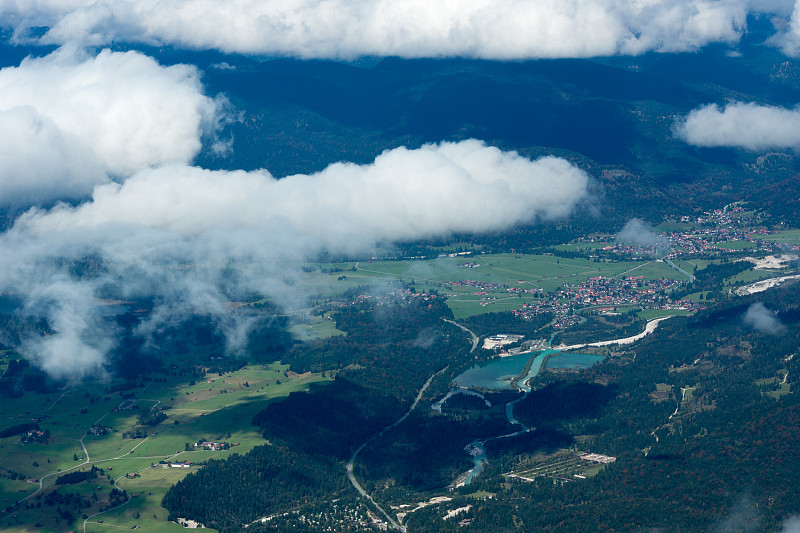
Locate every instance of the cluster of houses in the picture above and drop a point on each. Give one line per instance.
(36, 436)
(606, 294)
(214, 446)
(100, 430)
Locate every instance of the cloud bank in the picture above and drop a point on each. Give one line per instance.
(70, 120)
(492, 29)
(196, 239)
(762, 319)
(741, 125)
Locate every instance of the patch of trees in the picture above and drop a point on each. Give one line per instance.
(562, 401)
(20, 376)
(507, 322)
(544, 438)
(12, 474)
(603, 327)
(331, 420)
(392, 346)
(152, 417)
(269, 479)
(134, 434)
(18, 429)
(73, 478)
(425, 452)
(464, 402)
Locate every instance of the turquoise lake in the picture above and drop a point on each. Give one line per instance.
(569, 361)
(494, 374)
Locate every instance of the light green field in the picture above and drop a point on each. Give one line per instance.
(217, 408)
(791, 236)
(320, 327)
(545, 272)
(752, 275)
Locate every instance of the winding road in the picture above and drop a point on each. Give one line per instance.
(351, 476)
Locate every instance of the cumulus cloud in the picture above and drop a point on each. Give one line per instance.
(197, 239)
(70, 119)
(742, 125)
(497, 29)
(39, 161)
(763, 320)
(640, 233)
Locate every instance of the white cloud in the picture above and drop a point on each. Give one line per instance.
(497, 29)
(761, 319)
(404, 194)
(40, 162)
(71, 118)
(789, 36)
(742, 125)
(144, 229)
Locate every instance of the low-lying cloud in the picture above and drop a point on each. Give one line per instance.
(742, 125)
(640, 233)
(196, 239)
(71, 120)
(763, 320)
(494, 29)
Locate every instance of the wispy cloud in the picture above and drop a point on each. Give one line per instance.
(741, 125)
(498, 29)
(640, 233)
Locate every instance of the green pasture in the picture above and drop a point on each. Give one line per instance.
(790, 236)
(546, 272)
(319, 328)
(11, 491)
(689, 265)
(21, 457)
(753, 275)
(205, 412)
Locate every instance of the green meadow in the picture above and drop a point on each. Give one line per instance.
(217, 408)
(503, 271)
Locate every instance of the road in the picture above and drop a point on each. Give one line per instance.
(474, 337)
(351, 476)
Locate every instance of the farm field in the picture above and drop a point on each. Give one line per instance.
(490, 275)
(562, 466)
(790, 236)
(216, 408)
